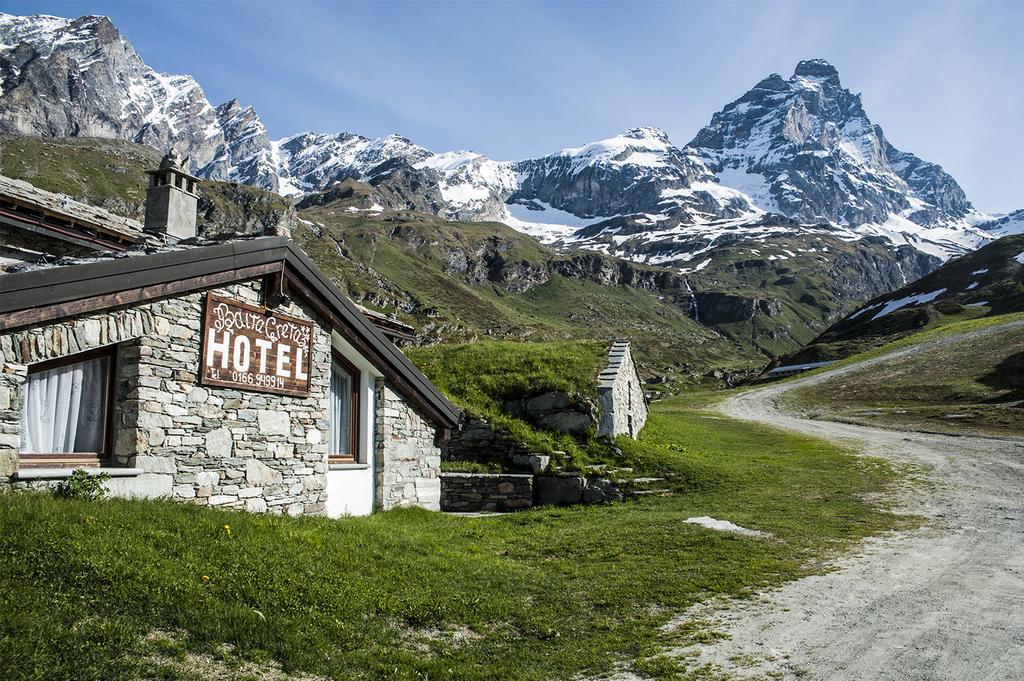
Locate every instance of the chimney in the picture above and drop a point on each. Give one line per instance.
(171, 200)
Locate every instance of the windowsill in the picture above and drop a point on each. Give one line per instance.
(348, 466)
(61, 473)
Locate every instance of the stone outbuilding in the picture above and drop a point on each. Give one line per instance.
(621, 394)
(228, 374)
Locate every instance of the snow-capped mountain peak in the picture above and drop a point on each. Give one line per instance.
(473, 186)
(817, 70)
(790, 151)
(636, 146)
(820, 156)
(46, 33)
(81, 77)
(311, 161)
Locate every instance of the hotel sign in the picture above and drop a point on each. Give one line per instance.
(250, 348)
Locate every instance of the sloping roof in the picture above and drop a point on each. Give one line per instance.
(29, 207)
(616, 355)
(44, 295)
(389, 326)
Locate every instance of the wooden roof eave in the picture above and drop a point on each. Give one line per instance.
(40, 296)
(368, 339)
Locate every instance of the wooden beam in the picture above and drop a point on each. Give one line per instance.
(39, 315)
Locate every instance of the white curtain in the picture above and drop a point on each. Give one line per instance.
(64, 409)
(341, 412)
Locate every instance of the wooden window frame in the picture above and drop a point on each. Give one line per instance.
(79, 459)
(354, 430)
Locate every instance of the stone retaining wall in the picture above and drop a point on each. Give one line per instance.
(476, 440)
(474, 492)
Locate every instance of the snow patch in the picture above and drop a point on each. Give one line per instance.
(918, 299)
(698, 268)
(724, 526)
(546, 223)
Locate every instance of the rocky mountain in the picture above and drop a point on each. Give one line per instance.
(799, 145)
(742, 304)
(984, 283)
(1006, 225)
(82, 78)
(793, 157)
(798, 154)
(802, 147)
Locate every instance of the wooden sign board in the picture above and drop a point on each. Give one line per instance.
(250, 348)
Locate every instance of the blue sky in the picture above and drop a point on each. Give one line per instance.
(519, 79)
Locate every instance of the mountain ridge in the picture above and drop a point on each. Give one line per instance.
(988, 282)
(799, 151)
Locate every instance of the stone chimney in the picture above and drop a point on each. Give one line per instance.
(172, 200)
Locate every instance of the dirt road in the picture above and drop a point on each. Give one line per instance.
(942, 602)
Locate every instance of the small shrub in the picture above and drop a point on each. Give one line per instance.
(82, 485)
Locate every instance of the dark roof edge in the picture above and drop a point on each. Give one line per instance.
(39, 288)
(23, 290)
(358, 320)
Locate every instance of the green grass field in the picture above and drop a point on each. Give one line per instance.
(126, 590)
(969, 385)
(481, 376)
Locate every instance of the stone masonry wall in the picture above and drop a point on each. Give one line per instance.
(621, 394)
(476, 440)
(210, 446)
(473, 492)
(408, 461)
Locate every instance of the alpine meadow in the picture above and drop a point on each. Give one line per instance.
(287, 394)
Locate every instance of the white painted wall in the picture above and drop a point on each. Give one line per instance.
(350, 488)
(349, 492)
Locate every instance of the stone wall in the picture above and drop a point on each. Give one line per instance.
(476, 440)
(621, 394)
(474, 492)
(209, 446)
(556, 410)
(408, 461)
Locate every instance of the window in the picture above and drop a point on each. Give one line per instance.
(66, 418)
(344, 436)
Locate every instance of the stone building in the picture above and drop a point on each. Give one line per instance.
(621, 394)
(229, 374)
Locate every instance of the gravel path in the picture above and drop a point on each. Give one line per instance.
(942, 602)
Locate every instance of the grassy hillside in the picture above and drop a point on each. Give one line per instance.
(968, 376)
(151, 590)
(481, 376)
(464, 281)
(988, 282)
(754, 298)
(112, 174)
(106, 173)
(798, 284)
